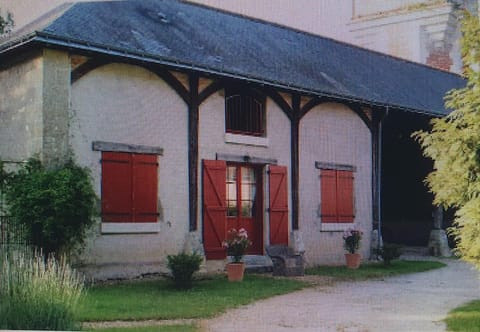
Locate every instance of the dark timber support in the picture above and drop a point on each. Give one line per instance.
(377, 121)
(87, 67)
(295, 137)
(193, 107)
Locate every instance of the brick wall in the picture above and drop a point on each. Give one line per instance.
(440, 59)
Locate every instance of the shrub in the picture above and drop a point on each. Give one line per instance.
(183, 266)
(37, 293)
(55, 206)
(389, 252)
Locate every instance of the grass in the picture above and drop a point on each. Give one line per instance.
(162, 328)
(157, 299)
(465, 318)
(374, 270)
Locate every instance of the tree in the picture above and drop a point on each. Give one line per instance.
(6, 23)
(454, 145)
(55, 206)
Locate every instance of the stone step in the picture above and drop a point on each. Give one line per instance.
(257, 263)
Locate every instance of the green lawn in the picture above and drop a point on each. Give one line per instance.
(165, 328)
(374, 270)
(465, 318)
(142, 300)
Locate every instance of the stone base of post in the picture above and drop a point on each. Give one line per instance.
(438, 243)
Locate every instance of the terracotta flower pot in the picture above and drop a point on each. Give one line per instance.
(353, 260)
(235, 271)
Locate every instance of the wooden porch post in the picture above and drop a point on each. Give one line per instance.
(295, 120)
(193, 109)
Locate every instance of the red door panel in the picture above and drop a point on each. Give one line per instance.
(214, 208)
(278, 205)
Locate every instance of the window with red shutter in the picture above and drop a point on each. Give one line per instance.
(336, 188)
(129, 187)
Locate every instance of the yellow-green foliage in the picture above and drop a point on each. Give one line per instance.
(37, 293)
(454, 145)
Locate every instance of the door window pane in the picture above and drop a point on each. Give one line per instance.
(232, 208)
(248, 191)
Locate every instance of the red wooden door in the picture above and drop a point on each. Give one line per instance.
(214, 208)
(278, 205)
(244, 203)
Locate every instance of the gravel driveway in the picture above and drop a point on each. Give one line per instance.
(415, 302)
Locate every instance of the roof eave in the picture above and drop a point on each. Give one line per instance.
(50, 39)
(14, 43)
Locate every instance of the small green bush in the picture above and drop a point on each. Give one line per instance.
(183, 266)
(56, 207)
(37, 293)
(389, 252)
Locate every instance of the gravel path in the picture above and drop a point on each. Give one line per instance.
(415, 302)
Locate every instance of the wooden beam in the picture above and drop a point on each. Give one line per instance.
(193, 123)
(173, 82)
(295, 160)
(87, 67)
(210, 90)
(353, 106)
(278, 99)
(377, 120)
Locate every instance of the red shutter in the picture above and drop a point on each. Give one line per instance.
(145, 193)
(214, 208)
(345, 196)
(278, 205)
(116, 187)
(328, 188)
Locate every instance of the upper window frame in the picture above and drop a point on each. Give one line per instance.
(245, 95)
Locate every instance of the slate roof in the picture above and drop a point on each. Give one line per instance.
(185, 35)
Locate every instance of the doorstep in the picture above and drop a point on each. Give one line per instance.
(258, 264)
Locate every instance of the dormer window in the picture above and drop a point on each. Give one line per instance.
(244, 112)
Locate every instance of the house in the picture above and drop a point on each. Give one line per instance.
(194, 121)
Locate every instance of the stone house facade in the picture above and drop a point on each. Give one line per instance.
(190, 130)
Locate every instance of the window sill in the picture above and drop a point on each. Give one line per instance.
(246, 140)
(130, 228)
(335, 227)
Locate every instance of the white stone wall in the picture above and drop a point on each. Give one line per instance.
(412, 33)
(128, 104)
(21, 102)
(332, 133)
(213, 140)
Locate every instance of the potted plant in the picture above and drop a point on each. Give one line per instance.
(351, 243)
(236, 243)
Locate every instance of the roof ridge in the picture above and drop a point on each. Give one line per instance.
(286, 27)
